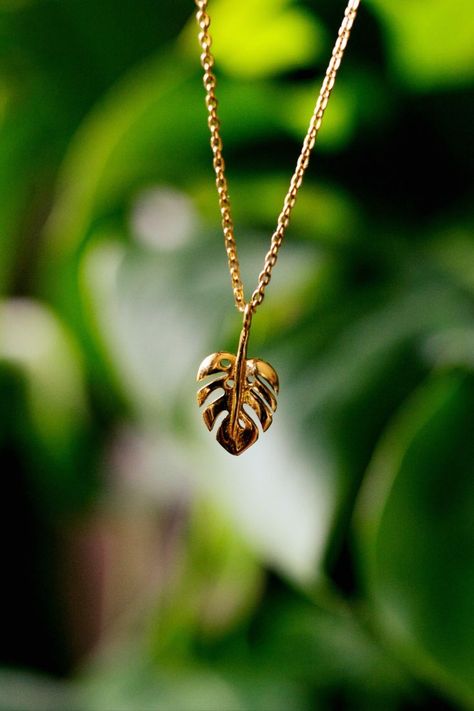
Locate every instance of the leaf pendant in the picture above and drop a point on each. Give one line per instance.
(247, 385)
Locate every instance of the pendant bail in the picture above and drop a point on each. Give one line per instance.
(247, 320)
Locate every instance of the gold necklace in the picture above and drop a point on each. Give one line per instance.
(251, 382)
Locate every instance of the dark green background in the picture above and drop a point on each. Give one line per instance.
(332, 566)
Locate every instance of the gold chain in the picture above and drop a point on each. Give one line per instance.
(209, 81)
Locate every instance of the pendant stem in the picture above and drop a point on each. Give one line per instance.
(239, 372)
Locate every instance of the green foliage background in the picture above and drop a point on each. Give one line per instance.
(332, 566)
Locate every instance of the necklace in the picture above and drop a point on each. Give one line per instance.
(251, 382)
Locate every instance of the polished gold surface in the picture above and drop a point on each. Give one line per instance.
(252, 383)
(209, 80)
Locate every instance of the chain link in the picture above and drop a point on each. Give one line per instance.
(209, 81)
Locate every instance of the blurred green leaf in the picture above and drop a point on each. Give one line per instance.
(340, 117)
(218, 584)
(35, 342)
(325, 214)
(416, 533)
(25, 175)
(133, 137)
(327, 643)
(55, 419)
(430, 43)
(259, 38)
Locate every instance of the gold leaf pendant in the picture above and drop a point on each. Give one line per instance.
(250, 382)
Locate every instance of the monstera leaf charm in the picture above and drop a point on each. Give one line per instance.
(247, 385)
